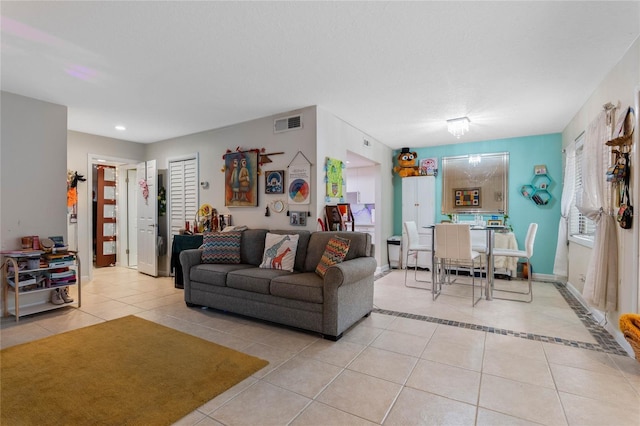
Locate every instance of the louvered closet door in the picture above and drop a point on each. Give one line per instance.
(183, 193)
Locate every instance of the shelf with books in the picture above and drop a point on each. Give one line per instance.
(538, 189)
(39, 277)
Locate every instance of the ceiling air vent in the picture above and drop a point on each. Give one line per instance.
(287, 123)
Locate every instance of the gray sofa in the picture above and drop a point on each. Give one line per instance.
(301, 298)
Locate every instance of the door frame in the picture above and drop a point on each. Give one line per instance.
(121, 200)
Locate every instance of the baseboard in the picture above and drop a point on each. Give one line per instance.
(544, 278)
(599, 317)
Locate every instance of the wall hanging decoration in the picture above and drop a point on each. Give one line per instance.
(334, 180)
(241, 178)
(72, 193)
(145, 189)
(467, 197)
(298, 218)
(299, 178)
(278, 206)
(162, 201)
(538, 189)
(274, 182)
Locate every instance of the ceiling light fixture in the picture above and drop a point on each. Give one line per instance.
(121, 128)
(458, 126)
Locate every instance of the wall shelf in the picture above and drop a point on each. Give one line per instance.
(538, 189)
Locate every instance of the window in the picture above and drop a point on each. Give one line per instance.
(579, 225)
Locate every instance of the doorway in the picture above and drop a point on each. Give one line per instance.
(364, 195)
(122, 249)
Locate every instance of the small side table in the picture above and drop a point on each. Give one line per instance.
(180, 243)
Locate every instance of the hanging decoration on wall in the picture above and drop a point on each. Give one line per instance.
(162, 201)
(145, 189)
(274, 182)
(241, 178)
(72, 193)
(299, 178)
(334, 180)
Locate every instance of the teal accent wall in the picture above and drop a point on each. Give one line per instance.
(524, 154)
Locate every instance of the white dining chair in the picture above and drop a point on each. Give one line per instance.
(413, 249)
(526, 254)
(453, 245)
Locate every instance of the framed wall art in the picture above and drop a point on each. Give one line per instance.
(299, 178)
(467, 197)
(429, 167)
(298, 218)
(334, 179)
(241, 179)
(274, 182)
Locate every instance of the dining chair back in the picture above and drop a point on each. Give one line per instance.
(413, 249)
(453, 245)
(527, 253)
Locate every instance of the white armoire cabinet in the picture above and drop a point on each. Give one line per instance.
(419, 206)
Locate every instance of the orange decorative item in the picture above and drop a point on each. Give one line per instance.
(630, 327)
(407, 164)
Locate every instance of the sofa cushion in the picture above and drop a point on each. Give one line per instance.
(252, 246)
(256, 280)
(335, 252)
(221, 247)
(306, 287)
(279, 251)
(214, 273)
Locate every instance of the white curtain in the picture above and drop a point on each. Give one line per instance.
(601, 283)
(560, 268)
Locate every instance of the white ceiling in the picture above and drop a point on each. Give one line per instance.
(395, 70)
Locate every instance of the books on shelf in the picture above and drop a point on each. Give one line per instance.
(59, 260)
(22, 253)
(24, 279)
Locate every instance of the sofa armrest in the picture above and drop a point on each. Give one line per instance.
(189, 258)
(350, 271)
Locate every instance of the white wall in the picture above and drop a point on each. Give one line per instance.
(80, 146)
(33, 172)
(211, 145)
(619, 85)
(335, 138)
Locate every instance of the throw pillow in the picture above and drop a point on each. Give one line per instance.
(334, 253)
(221, 247)
(279, 251)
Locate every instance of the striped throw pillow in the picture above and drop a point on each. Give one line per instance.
(221, 247)
(335, 252)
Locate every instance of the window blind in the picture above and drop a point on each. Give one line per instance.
(580, 225)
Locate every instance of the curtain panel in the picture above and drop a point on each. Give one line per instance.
(560, 265)
(601, 281)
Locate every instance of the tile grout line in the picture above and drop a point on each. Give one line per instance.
(605, 342)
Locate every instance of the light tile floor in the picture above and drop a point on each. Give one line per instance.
(413, 361)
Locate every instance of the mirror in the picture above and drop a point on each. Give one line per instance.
(475, 183)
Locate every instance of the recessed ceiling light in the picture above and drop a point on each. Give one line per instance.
(121, 128)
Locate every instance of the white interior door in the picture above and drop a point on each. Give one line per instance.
(132, 217)
(147, 210)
